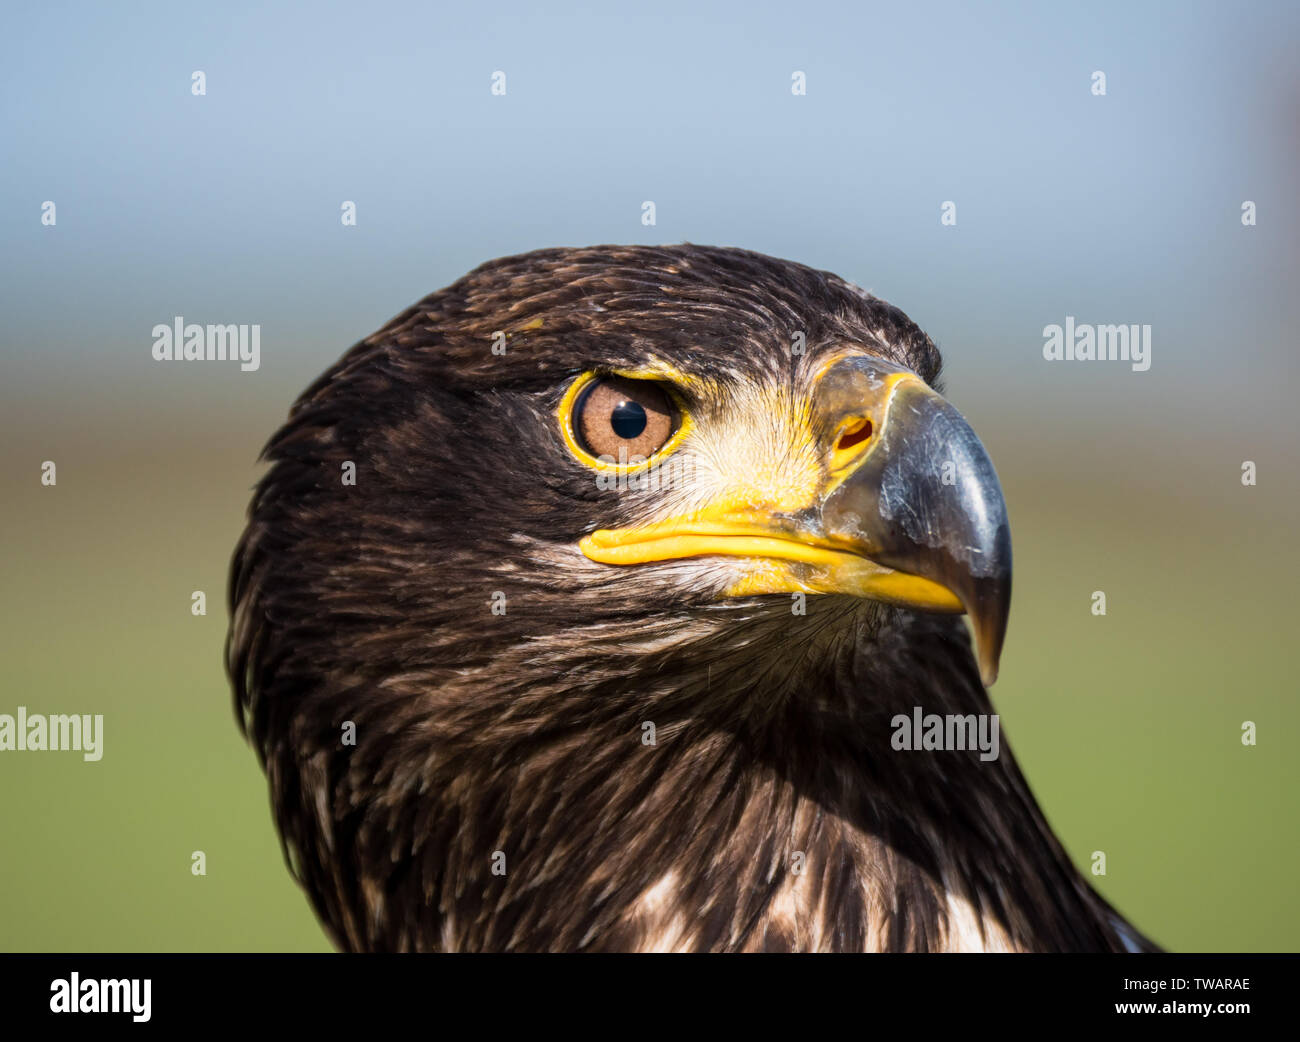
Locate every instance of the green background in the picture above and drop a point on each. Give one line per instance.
(1128, 726)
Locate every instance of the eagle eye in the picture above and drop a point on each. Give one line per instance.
(618, 417)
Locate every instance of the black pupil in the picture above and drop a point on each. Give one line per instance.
(628, 419)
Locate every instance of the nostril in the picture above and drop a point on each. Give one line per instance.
(854, 435)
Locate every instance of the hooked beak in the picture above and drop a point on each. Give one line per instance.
(925, 500)
(910, 511)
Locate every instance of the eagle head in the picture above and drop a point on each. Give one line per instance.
(577, 605)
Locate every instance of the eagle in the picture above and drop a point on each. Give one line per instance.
(582, 606)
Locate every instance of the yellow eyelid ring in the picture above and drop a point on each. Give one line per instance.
(564, 415)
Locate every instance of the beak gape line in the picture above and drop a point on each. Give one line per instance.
(910, 512)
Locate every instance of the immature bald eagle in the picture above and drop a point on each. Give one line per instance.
(605, 643)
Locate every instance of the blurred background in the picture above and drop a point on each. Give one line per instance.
(1123, 208)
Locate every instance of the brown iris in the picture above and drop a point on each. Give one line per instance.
(623, 418)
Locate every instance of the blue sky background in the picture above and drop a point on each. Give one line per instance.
(1120, 209)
